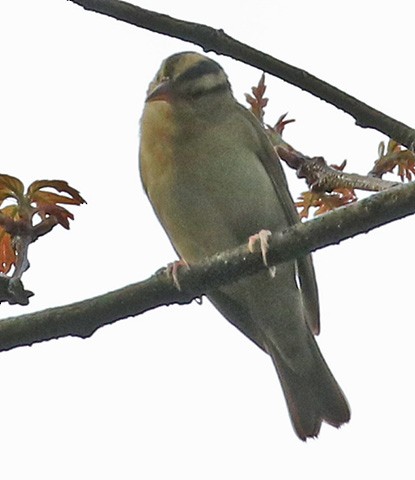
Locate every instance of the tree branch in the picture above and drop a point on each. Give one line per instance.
(221, 43)
(322, 177)
(83, 318)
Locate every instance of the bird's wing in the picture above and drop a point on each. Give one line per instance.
(272, 165)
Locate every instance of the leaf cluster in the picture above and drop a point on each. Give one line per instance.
(25, 215)
(330, 187)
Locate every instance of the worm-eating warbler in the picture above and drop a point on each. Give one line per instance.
(214, 180)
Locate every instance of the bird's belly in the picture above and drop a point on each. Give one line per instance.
(207, 205)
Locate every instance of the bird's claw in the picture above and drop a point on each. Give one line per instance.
(173, 268)
(263, 238)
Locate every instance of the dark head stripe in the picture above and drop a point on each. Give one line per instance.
(202, 68)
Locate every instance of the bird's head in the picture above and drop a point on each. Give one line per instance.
(187, 76)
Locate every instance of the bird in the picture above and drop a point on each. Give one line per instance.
(214, 180)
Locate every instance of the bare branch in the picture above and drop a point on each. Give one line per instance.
(221, 43)
(82, 319)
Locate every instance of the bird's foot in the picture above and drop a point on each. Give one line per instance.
(263, 238)
(173, 268)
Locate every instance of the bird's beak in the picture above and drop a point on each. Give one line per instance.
(161, 92)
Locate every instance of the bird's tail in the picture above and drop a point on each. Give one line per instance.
(313, 395)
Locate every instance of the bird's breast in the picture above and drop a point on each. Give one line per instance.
(157, 140)
(205, 182)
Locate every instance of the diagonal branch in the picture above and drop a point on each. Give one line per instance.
(83, 318)
(221, 43)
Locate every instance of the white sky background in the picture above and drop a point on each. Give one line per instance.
(178, 392)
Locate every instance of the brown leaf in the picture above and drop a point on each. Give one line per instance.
(10, 187)
(44, 197)
(395, 156)
(306, 201)
(7, 252)
(340, 167)
(257, 101)
(323, 201)
(61, 215)
(60, 186)
(47, 203)
(281, 123)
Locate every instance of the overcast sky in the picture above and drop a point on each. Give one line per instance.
(178, 392)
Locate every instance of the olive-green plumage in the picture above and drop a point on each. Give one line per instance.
(214, 180)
